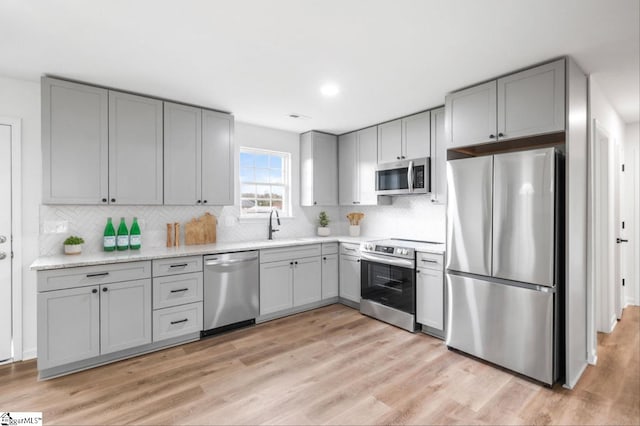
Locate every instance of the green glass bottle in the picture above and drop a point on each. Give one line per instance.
(135, 239)
(122, 241)
(109, 240)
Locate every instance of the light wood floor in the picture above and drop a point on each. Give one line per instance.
(333, 366)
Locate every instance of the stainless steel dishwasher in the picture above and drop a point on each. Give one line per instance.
(231, 291)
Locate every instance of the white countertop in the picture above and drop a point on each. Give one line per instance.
(100, 258)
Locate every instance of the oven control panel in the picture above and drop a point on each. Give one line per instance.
(407, 253)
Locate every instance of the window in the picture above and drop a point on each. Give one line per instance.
(265, 182)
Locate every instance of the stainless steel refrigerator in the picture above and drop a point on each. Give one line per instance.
(504, 259)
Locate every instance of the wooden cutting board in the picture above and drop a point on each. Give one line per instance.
(201, 230)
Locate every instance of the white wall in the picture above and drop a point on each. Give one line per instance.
(630, 210)
(21, 99)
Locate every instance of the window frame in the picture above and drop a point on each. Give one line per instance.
(287, 202)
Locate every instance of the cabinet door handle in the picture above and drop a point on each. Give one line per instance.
(178, 265)
(429, 261)
(113, 200)
(492, 136)
(295, 263)
(397, 158)
(180, 290)
(104, 200)
(94, 291)
(349, 249)
(105, 289)
(358, 260)
(205, 201)
(324, 258)
(198, 202)
(97, 274)
(179, 321)
(500, 135)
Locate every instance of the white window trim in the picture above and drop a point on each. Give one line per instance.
(287, 201)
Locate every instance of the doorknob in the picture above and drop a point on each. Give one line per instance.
(3, 239)
(2, 255)
(620, 240)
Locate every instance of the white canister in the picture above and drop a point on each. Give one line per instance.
(354, 230)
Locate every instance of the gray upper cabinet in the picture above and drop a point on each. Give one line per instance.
(182, 147)
(471, 115)
(405, 138)
(74, 143)
(135, 149)
(532, 101)
(198, 156)
(357, 159)
(527, 103)
(438, 157)
(318, 169)
(217, 158)
(347, 169)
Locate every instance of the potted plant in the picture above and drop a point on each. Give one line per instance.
(73, 245)
(323, 220)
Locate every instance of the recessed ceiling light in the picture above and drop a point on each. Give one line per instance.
(329, 90)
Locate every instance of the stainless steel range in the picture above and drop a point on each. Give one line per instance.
(388, 280)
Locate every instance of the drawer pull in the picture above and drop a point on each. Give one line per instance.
(349, 249)
(179, 265)
(98, 274)
(429, 261)
(180, 290)
(179, 321)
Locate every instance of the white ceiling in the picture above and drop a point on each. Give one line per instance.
(264, 59)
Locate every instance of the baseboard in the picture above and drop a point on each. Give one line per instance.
(592, 359)
(630, 302)
(612, 323)
(29, 354)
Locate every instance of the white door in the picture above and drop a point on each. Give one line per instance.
(5, 242)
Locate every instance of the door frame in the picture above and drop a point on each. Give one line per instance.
(16, 233)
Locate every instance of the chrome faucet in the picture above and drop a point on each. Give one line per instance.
(271, 230)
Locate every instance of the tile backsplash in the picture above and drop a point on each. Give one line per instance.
(412, 217)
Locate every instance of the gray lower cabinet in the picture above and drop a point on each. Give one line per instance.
(350, 272)
(68, 326)
(135, 149)
(198, 156)
(330, 271)
(90, 311)
(430, 299)
(75, 143)
(125, 315)
(290, 278)
(438, 157)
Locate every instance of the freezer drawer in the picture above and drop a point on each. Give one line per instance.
(506, 325)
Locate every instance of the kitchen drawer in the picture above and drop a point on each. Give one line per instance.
(177, 265)
(430, 261)
(288, 253)
(329, 248)
(177, 321)
(175, 290)
(350, 249)
(83, 276)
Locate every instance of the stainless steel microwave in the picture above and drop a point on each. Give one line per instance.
(403, 177)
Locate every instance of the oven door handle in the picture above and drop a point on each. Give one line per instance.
(403, 263)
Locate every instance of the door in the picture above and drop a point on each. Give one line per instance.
(347, 169)
(68, 326)
(217, 158)
(125, 315)
(531, 102)
(438, 158)
(75, 163)
(430, 298)
(469, 232)
(390, 141)
(387, 284)
(471, 115)
(307, 281)
(276, 286)
(416, 136)
(367, 163)
(350, 278)
(135, 149)
(330, 277)
(182, 154)
(523, 216)
(325, 170)
(5, 244)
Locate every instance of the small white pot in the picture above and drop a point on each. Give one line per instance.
(72, 248)
(354, 230)
(324, 231)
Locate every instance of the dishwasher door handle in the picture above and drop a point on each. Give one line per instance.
(230, 262)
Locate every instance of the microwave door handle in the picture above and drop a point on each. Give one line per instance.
(410, 176)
